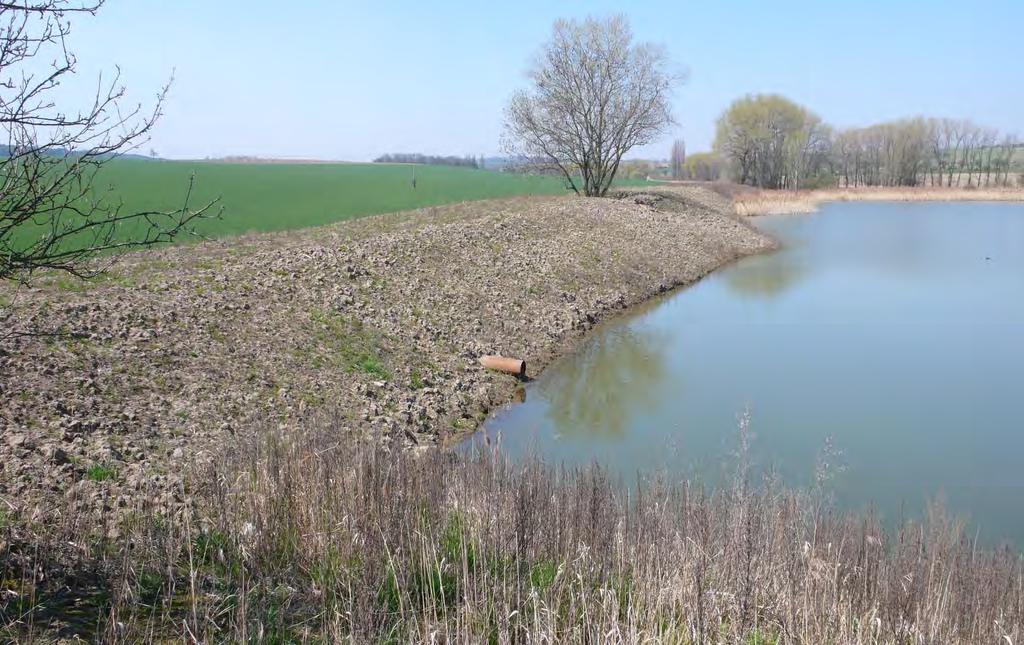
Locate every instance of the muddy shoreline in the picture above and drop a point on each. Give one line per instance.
(178, 354)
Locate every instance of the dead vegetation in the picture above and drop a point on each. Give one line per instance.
(750, 202)
(306, 537)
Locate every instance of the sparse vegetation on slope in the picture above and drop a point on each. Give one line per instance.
(381, 320)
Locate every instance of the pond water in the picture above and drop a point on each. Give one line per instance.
(892, 332)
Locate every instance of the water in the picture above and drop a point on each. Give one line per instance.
(894, 330)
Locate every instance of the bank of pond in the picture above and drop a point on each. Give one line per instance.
(878, 353)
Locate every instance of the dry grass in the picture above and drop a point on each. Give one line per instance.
(779, 202)
(305, 539)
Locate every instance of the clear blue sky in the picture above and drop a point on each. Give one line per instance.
(348, 80)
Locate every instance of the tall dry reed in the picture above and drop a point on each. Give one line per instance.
(781, 202)
(308, 537)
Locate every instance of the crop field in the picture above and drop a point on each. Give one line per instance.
(259, 197)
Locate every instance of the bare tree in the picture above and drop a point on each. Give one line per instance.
(1006, 148)
(53, 213)
(595, 94)
(678, 159)
(938, 140)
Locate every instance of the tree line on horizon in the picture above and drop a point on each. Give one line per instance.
(467, 161)
(699, 166)
(768, 141)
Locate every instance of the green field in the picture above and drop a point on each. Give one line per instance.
(273, 197)
(280, 196)
(260, 197)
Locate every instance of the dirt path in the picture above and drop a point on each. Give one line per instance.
(379, 321)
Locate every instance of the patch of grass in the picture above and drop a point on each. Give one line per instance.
(209, 264)
(64, 282)
(456, 543)
(73, 284)
(276, 630)
(389, 595)
(78, 344)
(330, 568)
(372, 366)
(210, 546)
(216, 334)
(760, 637)
(543, 574)
(341, 342)
(150, 587)
(312, 399)
(439, 586)
(100, 473)
(415, 380)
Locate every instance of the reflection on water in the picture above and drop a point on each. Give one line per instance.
(597, 390)
(896, 330)
(766, 279)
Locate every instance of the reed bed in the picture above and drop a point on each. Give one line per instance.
(780, 202)
(304, 537)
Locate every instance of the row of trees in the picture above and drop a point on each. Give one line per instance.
(771, 142)
(638, 169)
(431, 160)
(936, 152)
(701, 166)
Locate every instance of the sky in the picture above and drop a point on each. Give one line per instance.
(352, 80)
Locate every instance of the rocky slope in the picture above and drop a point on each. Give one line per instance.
(379, 321)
